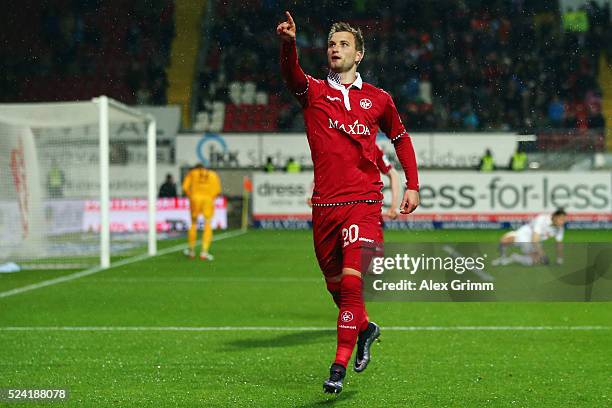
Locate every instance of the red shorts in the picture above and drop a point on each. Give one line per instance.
(345, 234)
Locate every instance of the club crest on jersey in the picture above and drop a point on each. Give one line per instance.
(355, 128)
(346, 316)
(365, 103)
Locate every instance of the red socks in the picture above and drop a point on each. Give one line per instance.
(334, 289)
(352, 317)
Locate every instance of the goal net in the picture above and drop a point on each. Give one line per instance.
(77, 183)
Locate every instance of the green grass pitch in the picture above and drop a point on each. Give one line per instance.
(154, 352)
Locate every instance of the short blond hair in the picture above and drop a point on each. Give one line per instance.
(341, 26)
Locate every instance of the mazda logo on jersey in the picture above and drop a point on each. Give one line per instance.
(355, 128)
(365, 103)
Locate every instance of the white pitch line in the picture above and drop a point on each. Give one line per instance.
(220, 279)
(97, 269)
(294, 329)
(52, 266)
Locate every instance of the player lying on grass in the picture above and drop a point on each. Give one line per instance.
(529, 237)
(342, 115)
(202, 186)
(385, 167)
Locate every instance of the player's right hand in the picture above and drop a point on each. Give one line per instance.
(286, 29)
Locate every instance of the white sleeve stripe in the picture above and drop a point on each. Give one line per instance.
(306, 90)
(393, 139)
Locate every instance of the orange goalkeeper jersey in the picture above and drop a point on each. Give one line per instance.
(202, 182)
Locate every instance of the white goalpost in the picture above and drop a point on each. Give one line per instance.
(64, 167)
(106, 106)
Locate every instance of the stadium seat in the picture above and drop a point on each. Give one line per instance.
(248, 92)
(261, 98)
(235, 92)
(218, 106)
(248, 98)
(202, 122)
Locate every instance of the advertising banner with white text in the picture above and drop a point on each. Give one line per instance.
(458, 199)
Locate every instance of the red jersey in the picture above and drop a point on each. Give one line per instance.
(382, 161)
(341, 126)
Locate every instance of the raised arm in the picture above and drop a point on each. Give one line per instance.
(292, 73)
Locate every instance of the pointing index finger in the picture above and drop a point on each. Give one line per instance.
(289, 18)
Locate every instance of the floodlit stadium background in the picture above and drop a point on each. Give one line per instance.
(466, 77)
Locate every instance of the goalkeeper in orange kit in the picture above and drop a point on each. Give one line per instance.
(202, 186)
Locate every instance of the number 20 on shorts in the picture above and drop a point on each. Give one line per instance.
(350, 234)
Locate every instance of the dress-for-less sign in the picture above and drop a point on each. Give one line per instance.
(460, 198)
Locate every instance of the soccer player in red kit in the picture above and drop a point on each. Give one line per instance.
(342, 115)
(385, 167)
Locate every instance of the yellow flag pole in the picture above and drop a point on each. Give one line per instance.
(245, 202)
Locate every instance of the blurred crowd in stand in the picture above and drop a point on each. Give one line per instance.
(465, 65)
(77, 49)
